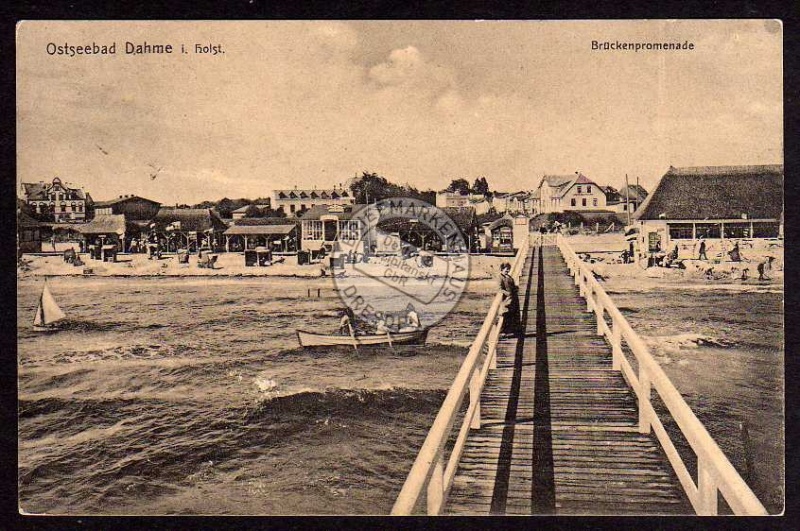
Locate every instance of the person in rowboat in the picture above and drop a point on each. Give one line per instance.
(412, 320)
(347, 324)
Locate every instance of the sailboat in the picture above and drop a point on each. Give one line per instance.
(48, 313)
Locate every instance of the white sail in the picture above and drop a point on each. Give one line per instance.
(48, 311)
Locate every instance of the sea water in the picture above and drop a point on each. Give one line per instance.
(191, 396)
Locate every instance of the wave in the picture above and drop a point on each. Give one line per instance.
(679, 342)
(357, 402)
(97, 455)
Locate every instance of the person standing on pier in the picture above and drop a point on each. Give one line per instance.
(510, 304)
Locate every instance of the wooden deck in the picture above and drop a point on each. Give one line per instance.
(558, 427)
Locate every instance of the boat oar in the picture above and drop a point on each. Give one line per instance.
(390, 340)
(353, 335)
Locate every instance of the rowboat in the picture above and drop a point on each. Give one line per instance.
(48, 314)
(310, 339)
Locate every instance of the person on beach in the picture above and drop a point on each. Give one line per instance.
(734, 253)
(510, 304)
(701, 254)
(745, 272)
(764, 265)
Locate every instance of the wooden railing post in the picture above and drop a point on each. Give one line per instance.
(436, 487)
(706, 490)
(492, 341)
(644, 399)
(475, 397)
(599, 311)
(616, 344)
(589, 295)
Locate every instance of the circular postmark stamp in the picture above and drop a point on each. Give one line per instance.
(404, 265)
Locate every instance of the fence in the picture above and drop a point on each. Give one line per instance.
(433, 471)
(715, 474)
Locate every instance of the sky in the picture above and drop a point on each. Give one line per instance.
(315, 103)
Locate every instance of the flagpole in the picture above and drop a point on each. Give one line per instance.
(627, 199)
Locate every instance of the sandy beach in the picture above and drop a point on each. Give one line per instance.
(230, 264)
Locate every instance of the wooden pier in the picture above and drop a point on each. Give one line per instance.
(559, 427)
(559, 422)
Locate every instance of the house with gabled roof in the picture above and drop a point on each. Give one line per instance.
(58, 200)
(716, 203)
(561, 193)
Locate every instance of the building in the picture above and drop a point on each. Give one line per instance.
(629, 198)
(57, 201)
(29, 236)
(133, 207)
(107, 232)
(515, 203)
(326, 226)
(250, 211)
(505, 233)
(187, 228)
(446, 199)
(279, 235)
(562, 193)
(294, 201)
(716, 203)
(422, 236)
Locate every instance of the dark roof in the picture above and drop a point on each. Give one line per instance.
(506, 221)
(261, 229)
(463, 217)
(317, 211)
(104, 224)
(37, 191)
(716, 192)
(258, 222)
(191, 219)
(123, 199)
(635, 191)
(24, 220)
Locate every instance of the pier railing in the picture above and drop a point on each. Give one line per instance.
(715, 473)
(434, 469)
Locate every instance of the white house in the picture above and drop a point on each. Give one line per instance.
(561, 193)
(295, 200)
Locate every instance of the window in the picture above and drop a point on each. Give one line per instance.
(302, 207)
(572, 202)
(594, 202)
(349, 230)
(291, 208)
(765, 230)
(588, 189)
(312, 229)
(579, 189)
(680, 231)
(737, 230)
(708, 230)
(583, 202)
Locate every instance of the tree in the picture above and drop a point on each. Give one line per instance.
(481, 186)
(459, 185)
(370, 187)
